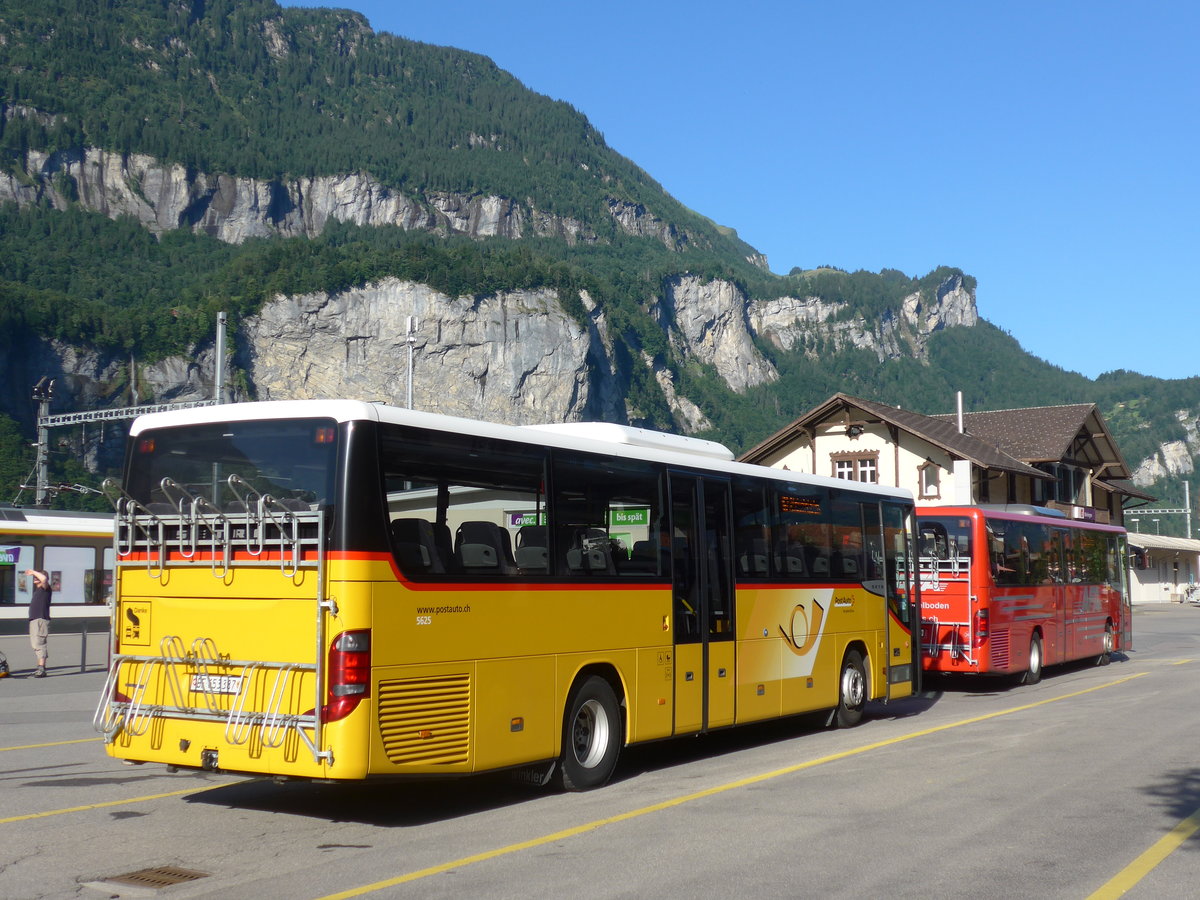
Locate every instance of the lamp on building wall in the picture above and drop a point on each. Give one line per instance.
(854, 430)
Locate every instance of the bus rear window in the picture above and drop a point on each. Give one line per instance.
(292, 461)
(944, 538)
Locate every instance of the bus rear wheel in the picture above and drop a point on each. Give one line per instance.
(1110, 642)
(852, 691)
(1034, 673)
(591, 736)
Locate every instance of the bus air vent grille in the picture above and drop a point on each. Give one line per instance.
(1000, 649)
(426, 721)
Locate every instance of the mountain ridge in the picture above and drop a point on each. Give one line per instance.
(255, 159)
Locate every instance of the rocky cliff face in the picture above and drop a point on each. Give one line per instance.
(508, 358)
(164, 196)
(515, 357)
(803, 323)
(1174, 459)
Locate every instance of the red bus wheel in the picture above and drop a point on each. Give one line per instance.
(1110, 642)
(1034, 673)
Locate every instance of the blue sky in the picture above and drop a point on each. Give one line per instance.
(1047, 148)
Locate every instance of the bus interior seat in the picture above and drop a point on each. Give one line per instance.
(533, 551)
(790, 560)
(583, 559)
(753, 558)
(591, 553)
(483, 547)
(819, 565)
(533, 536)
(416, 546)
(532, 560)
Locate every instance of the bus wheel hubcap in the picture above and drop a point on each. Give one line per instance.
(590, 734)
(852, 686)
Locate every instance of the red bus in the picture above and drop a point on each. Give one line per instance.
(1008, 590)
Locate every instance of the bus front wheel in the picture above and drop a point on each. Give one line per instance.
(852, 691)
(1034, 673)
(1110, 642)
(591, 736)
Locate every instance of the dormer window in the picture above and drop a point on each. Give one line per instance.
(929, 477)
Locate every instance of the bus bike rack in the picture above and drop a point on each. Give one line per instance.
(935, 570)
(176, 533)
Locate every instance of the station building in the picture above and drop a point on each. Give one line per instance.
(1062, 457)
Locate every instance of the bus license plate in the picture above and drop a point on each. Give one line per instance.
(217, 684)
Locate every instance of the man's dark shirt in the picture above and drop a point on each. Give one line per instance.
(39, 603)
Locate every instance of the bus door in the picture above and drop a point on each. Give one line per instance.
(703, 596)
(889, 547)
(1061, 626)
(1119, 557)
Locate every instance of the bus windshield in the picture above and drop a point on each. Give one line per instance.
(944, 538)
(292, 461)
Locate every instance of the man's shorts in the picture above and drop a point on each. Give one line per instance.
(39, 630)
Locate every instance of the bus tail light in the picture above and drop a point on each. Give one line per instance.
(981, 628)
(349, 674)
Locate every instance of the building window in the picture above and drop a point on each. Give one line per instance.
(1068, 486)
(929, 476)
(866, 471)
(856, 467)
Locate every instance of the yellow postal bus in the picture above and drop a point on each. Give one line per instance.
(341, 590)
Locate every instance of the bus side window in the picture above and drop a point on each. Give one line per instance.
(752, 529)
(455, 501)
(605, 514)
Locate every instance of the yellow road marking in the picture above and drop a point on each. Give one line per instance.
(698, 795)
(126, 802)
(51, 744)
(1140, 867)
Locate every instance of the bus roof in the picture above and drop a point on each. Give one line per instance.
(1017, 513)
(613, 440)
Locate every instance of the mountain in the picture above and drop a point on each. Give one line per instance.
(162, 161)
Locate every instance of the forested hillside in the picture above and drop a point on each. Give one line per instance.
(242, 99)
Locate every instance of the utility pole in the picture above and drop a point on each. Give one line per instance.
(43, 393)
(219, 361)
(412, 340)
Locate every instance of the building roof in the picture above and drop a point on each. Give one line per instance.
(937, 430)
(1163, 542)
(1128, 488)
(1044, 434)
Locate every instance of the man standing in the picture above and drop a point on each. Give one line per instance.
(39, 618)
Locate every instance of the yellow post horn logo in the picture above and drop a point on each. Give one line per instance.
(803, 632)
